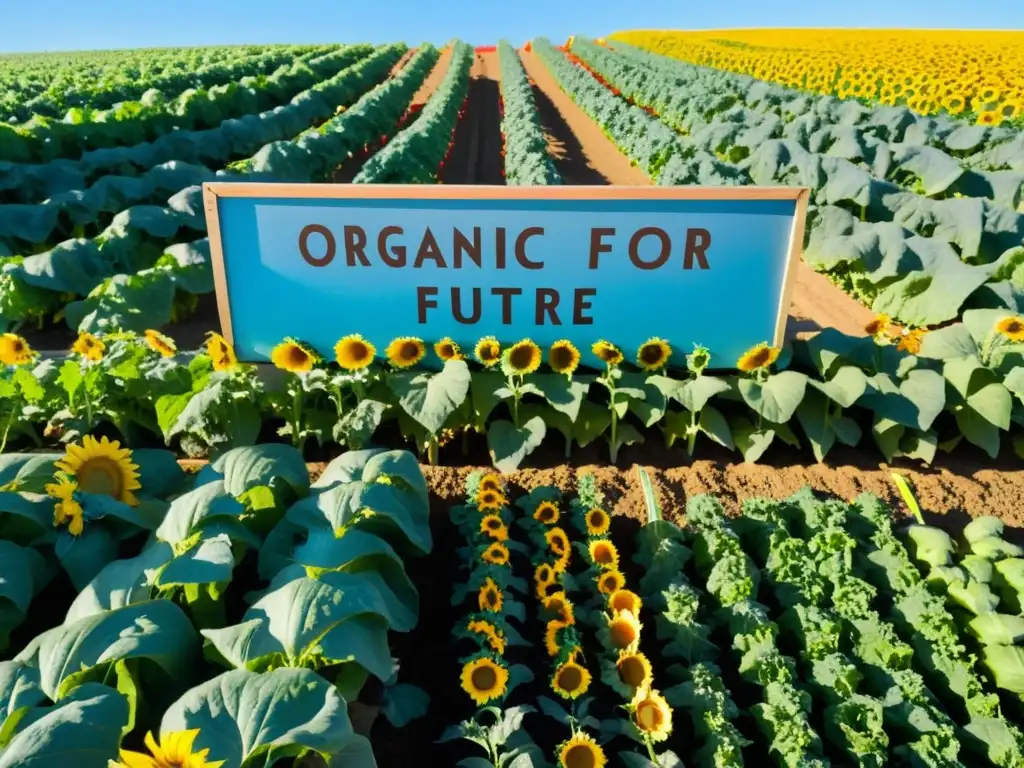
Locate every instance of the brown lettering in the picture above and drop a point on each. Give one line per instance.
(499, 248)
(697, 243)
(634, 251)
(424, 302)
(547, 304)
(355, 242)
(506, 302)
(332, 247)
(394, 256)
(471, 249)
(457, 307)
(429, 249)
(598, 245)
(580, 305)
(521, 257)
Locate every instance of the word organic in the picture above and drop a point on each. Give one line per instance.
(391, 247)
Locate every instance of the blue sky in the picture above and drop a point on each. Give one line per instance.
(35, 25)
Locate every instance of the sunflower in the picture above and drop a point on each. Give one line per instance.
(488, 351)
(490, 597)
(581, 751)
(651, 714)
(610, 581)
(447, 349)
(558, 542)
(558, 606)
(103, 467)
(353, 352)
(491, 634)
(653, 354)
(1011, 327)
(484, 680)
(89, 347)
(624, 600)
(489, 482)
(552, 636)
(543, 575)
(563, 357)
(598, 522)
(570, 680)
(406, 351)
(603, 553)
(495, 554)
(878, 326)
(490, 501)
(67, 509)
(293, 357)
(758, 357)
(910, 341)
(220, 352)
(493, 526)
(623, 631)
(633, 672)
(173, 751)
(607, 352)
(14, 350)
(547, 513)
(523, 357)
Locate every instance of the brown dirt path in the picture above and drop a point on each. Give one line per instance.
(476, 153)
(434, 78)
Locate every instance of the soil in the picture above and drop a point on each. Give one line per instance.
(476, 153)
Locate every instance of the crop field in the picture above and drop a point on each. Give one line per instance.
(480, 551)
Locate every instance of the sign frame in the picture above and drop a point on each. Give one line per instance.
(213, 191)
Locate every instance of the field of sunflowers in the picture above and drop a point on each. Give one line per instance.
(484, 552)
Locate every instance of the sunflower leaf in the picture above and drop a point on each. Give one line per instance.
(404, 703)
(563, 394)
(430, 398)
(510, 445)
(242, 715)
(777, 398)
(357, 425)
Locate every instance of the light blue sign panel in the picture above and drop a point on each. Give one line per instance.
(582, 263)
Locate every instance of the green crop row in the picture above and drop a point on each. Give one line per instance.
(526, 150)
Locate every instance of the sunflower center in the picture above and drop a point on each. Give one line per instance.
(446, 351)
(491, 598)
(603, 555)
(493, 525)
(570, 679)
(409, 350)
(596, 520)
(557, 545)
(1014, 326)
(18, 346)
(297, 356)
(760, 358)
(651, 354)
(631, 671)
(546, 514)
(489, 352)
(561, 358)
(484, 679)
(580, 756)
(100, 476)
(622, 633)
(609, 583)
(521, 357)
(358, 351)
(649, 716)
(622, 601)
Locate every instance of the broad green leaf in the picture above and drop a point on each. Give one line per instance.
(777, 399)
(24, 468)
(510, 445)
(306, 620)
(695, 393)
(978, 430)
(914, 402)
(121, 583)
(713, 424)
(430, 398)
(980, 390)
(983, 527)
(751, 441)
(997, 628)
(83, 557)
(82, 730)
(393, 507)
(484, 389)
(249, 467)
(357, 425)
(845, 387)
(994, 737)
(242, 716)
(155, 630)
(592, 422)
(160, 475)
(1006, 663)
(208, 504)
(930, 545)
(561, 392)
(404, 703)
(210, 562)
(814, 416)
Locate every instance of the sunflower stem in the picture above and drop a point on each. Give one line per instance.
(88, 402)
(7, 430)
(986, 347)
(297, 440)
(650, 749)
(340, 401)
(432, 451)
(691, 434)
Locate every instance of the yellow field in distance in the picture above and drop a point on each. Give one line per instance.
(979, 75)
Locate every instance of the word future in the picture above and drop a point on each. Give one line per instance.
(391, 249)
